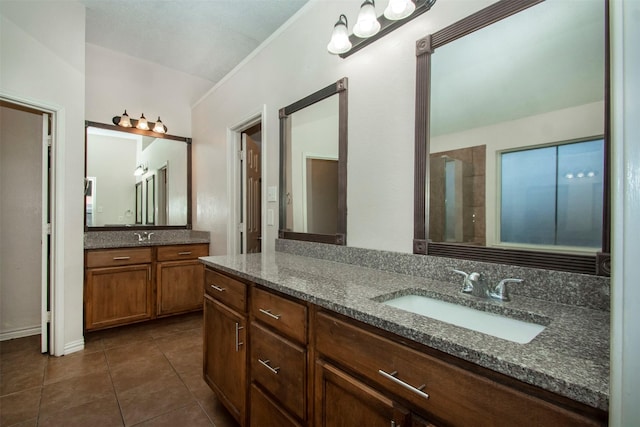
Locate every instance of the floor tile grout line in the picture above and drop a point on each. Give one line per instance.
(113, 386)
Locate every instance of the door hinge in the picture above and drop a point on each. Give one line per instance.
(48, 317)
(48, 228)
(241, 226)
(241, 155)
(49, 140)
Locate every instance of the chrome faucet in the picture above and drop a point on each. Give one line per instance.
(142, 236)
(500, 292)
(149, 236)
(475, 284)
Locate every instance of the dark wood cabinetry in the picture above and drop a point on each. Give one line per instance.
(225, 342)
(121, 287)
(308, 366)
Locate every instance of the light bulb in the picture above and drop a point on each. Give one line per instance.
(399, 9)
(124, 121)
(340, 42)
(142, 123)
(367, 24)
(159, 126)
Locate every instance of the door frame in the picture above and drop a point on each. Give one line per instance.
(234, 177)
(56, 248)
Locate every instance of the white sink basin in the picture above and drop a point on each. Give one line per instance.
(488, 323)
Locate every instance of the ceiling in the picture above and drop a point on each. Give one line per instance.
(203, 38)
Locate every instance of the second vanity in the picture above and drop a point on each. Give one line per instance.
(292, 340)
(132, 276)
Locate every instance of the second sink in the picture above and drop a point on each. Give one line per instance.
(480, 321)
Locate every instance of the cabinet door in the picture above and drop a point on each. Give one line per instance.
(117, 296)
(266, 413)
(341, 400)
(179, 285)
(225, 357)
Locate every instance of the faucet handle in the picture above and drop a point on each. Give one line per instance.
(149, 235)
(469, 280)
(500, 292)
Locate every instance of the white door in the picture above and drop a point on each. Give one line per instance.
(45, 241)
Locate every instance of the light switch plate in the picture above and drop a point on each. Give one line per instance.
(272, 194)
(269, 216)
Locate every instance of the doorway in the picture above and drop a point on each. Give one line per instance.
(26, 141)
(251, 190)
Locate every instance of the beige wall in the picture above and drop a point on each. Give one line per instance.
(42, 62)
(20, 219)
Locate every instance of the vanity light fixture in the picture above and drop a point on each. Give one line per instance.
(370, 27)
(142, 123)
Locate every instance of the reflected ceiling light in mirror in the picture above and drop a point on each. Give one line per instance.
(140, 170)
(367, 24)
(142, 123)
(339, 37)
(370, 27)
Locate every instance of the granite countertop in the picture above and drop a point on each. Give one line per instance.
(127, 239)
(570, 357)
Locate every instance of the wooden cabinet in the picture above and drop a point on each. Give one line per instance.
(225, 338)
(441, 391)
(308, 366)
(279, 354)
(179, 277)
(121, 287)
(117, 287)
(341, 400)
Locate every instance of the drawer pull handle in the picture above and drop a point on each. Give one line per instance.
(218, 288)
(269, 313)
(238, 342)
(392, 377)
(184, 253)
(121, 258)
(265, 363)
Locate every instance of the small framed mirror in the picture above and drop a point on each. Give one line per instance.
(313, 167)
(118, 193)
(512, 137)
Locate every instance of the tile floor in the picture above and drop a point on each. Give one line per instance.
(149, 374)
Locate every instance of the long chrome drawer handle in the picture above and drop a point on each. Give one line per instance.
(121, 258)
(392, 377)
(184, 253)
(269, 313)
(238, 342)
(265, 363)
(218, 288)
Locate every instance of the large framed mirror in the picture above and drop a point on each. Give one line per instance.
(313, 167)
(512, 137)
(121, 190)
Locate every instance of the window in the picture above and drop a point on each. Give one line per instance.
(553, 195)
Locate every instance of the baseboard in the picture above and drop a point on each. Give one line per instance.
(20, 333)
(73, 346)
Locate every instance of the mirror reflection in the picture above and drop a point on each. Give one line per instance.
(516, 149)
(313, 174)
(135, 179)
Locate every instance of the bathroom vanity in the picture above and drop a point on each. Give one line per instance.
(128, 281)
(298, 341)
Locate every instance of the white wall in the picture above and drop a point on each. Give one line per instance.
(625, 292)
(20, 215)
(42, 61)
(295, 64)
(115, 82)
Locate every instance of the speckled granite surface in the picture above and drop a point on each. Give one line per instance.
(124, 239)
(556, 286)
(570, 357)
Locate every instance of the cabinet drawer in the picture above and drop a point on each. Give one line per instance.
(226, 289)
(279, 366)
(443, 390)
(178, 252)
(266, 413)
(116, 257)
(282, 314)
